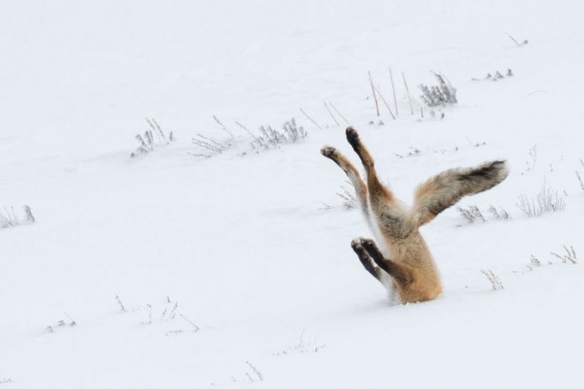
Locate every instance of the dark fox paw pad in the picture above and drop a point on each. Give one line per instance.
(352, 136)
(368, 244)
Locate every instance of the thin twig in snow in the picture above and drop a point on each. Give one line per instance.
(156, 128)
(256, 371)
(516, 42)
(337, 111)
(384, 102)
(223, 126)
(580, 180)
(393, 89)
(309, 118)
(196, 327)
(408, 92)
(374, 95)
(255, 138)
(330, 113)
(123, 309)
(496, 283)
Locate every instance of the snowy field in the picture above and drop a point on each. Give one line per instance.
(228, 264)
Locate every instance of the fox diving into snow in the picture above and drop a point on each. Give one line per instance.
(402, 262)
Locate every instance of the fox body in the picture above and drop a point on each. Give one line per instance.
(402, 262)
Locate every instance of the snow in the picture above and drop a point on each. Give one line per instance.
(236, 270)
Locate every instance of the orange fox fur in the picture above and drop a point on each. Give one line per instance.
(402, 262)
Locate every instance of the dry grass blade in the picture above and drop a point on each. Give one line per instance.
(569, 257)
(496, 283)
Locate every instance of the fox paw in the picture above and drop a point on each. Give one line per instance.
(352, 136)
(357, 244)
(369, 244)
(328, 152)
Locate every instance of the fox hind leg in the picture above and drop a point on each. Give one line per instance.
(354, 176)
(389, 211)
(355, 142)
(377, 191)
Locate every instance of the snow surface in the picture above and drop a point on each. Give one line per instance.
(236, 270)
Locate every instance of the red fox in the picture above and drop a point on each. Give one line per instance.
(402, 262)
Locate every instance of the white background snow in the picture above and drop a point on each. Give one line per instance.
(230, 271)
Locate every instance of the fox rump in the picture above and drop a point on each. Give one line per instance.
(400, 259)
